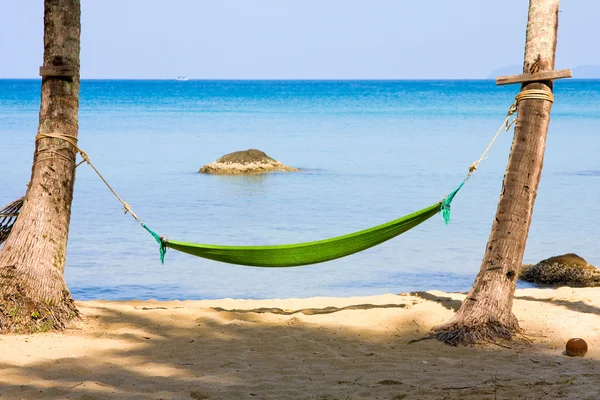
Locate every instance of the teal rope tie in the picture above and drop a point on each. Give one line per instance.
(445, 206)
(161, 242)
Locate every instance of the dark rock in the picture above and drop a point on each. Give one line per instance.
(565, 270)
(251, 161)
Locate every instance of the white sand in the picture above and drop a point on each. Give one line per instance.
(188, 350)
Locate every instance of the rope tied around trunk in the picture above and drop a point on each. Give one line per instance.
(72, 140)
(538, 94)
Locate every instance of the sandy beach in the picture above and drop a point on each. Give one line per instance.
(316, 348)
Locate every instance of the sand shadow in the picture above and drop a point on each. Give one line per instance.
(446, 302)
(577, 306)
(309, 311)
(184, 351)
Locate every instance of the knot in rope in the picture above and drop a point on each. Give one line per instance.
(85, 157)
(514, 107)
(127, 209)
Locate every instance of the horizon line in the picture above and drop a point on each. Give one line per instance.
(280, 79)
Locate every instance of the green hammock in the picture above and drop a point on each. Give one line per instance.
(279, 256)
(293, 255)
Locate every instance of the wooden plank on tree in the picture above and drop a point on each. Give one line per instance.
(538, 76)
(57, 71)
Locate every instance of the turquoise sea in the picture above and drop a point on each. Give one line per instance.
(370, 151)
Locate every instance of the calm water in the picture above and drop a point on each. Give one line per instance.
(370, 151)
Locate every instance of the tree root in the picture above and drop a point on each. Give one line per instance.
(21, 314)
(462, 334)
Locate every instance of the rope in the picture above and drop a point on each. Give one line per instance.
(537, 94)
(506, 124)
(72, 140)
(445, 204)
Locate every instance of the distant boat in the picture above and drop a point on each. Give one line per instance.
(182, 78)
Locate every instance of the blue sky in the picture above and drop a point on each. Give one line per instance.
(301, 39)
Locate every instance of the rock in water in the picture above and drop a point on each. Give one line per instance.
(568, 269)
(244, 162)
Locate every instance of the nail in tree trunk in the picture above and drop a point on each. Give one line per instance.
(486, 314)
(33, 293)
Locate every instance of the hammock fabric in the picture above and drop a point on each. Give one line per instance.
(8, 217)
(293, 255)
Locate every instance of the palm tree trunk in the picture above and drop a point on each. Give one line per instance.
(33, 293)
(486, 314)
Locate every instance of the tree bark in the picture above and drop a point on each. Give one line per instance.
(486, 314)
(33, 293)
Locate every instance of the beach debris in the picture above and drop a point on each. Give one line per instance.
(576, 347)
(199, 396)
(250, 161)
(389, 382)
(567, 269)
